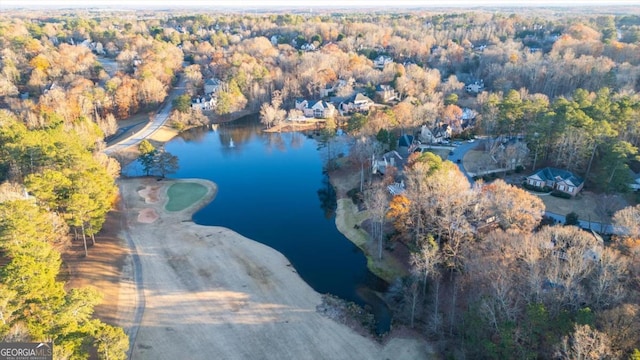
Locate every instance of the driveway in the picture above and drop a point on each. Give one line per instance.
(460, 151)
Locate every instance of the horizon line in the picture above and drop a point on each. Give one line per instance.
(310, 4)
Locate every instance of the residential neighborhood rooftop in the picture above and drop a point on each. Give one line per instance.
(554, 174)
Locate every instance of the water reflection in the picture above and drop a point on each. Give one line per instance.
(327, 197)
(271, 188)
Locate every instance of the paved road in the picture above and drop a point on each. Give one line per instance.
(159, 120)
(601, 228)
(458, 154)
(122, 133)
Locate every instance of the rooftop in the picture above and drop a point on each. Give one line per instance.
(555, 174)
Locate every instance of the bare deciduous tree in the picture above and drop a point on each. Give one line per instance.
(108, 124)
(425, 264)
(585, 343)
(272, 114)
(622, 325)
(377, 201)
(627, 223)
(512, 207)
(361, 152)
(426, 260)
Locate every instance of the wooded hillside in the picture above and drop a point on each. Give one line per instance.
(565, 84)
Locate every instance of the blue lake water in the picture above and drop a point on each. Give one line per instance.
(272, 189)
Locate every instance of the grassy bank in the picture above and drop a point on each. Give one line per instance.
(349, 221)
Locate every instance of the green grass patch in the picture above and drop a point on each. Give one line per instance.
(389, 268)
(184, 194)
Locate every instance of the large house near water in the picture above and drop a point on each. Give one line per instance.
(319, 109)
(556, 179)
(357, 103)
(206, 102)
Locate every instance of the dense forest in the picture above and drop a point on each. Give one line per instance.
(566, 84)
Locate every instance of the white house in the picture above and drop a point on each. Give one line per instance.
(475, 88)
(468, 117)
(356, 103)
(308, 47)
(206, 102)
(443, 132)
(330, 89)
(426, 136)
(386, 93)
(379, 164)
(301, 104)
(381, 61)
(319, 109)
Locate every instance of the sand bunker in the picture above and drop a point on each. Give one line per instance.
(147, 216)
(150, 194)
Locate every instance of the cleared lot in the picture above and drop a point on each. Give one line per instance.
(213, 294)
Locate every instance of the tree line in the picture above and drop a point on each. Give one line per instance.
(490, 279)
(53, 183)
(567, 84)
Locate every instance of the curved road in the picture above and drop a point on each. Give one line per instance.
(458, 154)
(160, 119)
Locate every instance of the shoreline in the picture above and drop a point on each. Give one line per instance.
(348, 222)
(347, 215)
(344, 216)
(227, 282)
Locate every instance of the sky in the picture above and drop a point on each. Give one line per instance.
(210, 4)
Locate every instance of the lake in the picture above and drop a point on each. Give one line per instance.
(272, 189)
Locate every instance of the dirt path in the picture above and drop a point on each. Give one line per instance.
(212, 294)
(105, 268)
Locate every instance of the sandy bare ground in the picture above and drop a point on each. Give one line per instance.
(210, 293)
(288, 126)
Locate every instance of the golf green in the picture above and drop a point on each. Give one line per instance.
(184, 194)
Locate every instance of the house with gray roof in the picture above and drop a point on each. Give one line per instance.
(357, 103)
(556, 179)
(319, 109)
(211, 86)
(386, 93)
(381, 61)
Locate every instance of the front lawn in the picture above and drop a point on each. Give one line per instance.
(588, 205)
(478, 162)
